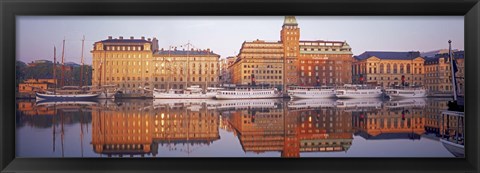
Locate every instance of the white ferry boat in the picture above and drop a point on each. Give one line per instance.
(311, 92)
(406, 92)
(358, 91)
(193, 92)
(249, 92)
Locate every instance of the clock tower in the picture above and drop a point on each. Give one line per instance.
(290, 38)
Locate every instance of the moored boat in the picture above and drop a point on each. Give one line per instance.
(359, 91)
(193, 92)
(311, 92)
(249, 92)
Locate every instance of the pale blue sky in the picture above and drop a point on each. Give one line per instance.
(36, 35)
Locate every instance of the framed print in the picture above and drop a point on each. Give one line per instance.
(191, 86)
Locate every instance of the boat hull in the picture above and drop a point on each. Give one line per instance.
(358, 94)
(311, 94)
(159, 95)
(66, 97)
(456, 149)
(104, 95)
(249, 95)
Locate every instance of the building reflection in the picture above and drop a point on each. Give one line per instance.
(138, 127)
(291, 130)
(397, 119)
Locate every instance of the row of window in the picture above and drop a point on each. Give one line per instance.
(263, 72)
(263, 77)
(156, 79)
(125, 48)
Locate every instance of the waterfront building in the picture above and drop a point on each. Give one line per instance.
(325, 63)
(37, 62)
(292, 61)
(260, 61)
(179, 69)
(123, 63)
(438, 74)
(33, 85)
(226, 72)
(387, 68)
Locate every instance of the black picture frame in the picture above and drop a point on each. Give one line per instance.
(470, 9)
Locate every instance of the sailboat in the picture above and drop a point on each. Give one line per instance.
(453, 120)
(66, 93)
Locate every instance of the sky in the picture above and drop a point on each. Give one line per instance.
(37, 35)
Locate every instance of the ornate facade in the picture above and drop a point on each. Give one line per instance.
(325, 63)
(259, 61)
(180, 69)
(125, 63)
(387, 68)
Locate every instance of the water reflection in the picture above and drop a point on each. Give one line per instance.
(235, 128)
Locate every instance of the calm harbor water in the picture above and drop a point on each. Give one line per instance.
(232, 128)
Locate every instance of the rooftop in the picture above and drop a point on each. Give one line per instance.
(185, 52)
(125, 40)
(389, 55)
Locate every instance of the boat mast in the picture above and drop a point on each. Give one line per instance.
(454, 86)
(81, 68)
(54, 69)
(63, 64)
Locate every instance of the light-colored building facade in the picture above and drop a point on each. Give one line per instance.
(179, 69)
(226, 72)
(387, 68)
(125, 63)
(259, 61)
(134, 64)
(438, 73)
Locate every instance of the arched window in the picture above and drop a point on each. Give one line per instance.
(381, 68)
(401, 69)
(408, 68)
(388, 68)
(395, 68)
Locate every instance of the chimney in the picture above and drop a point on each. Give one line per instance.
(109, 37)
(149, 39)
(121, 37)
(131, 37)
(143, 38)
